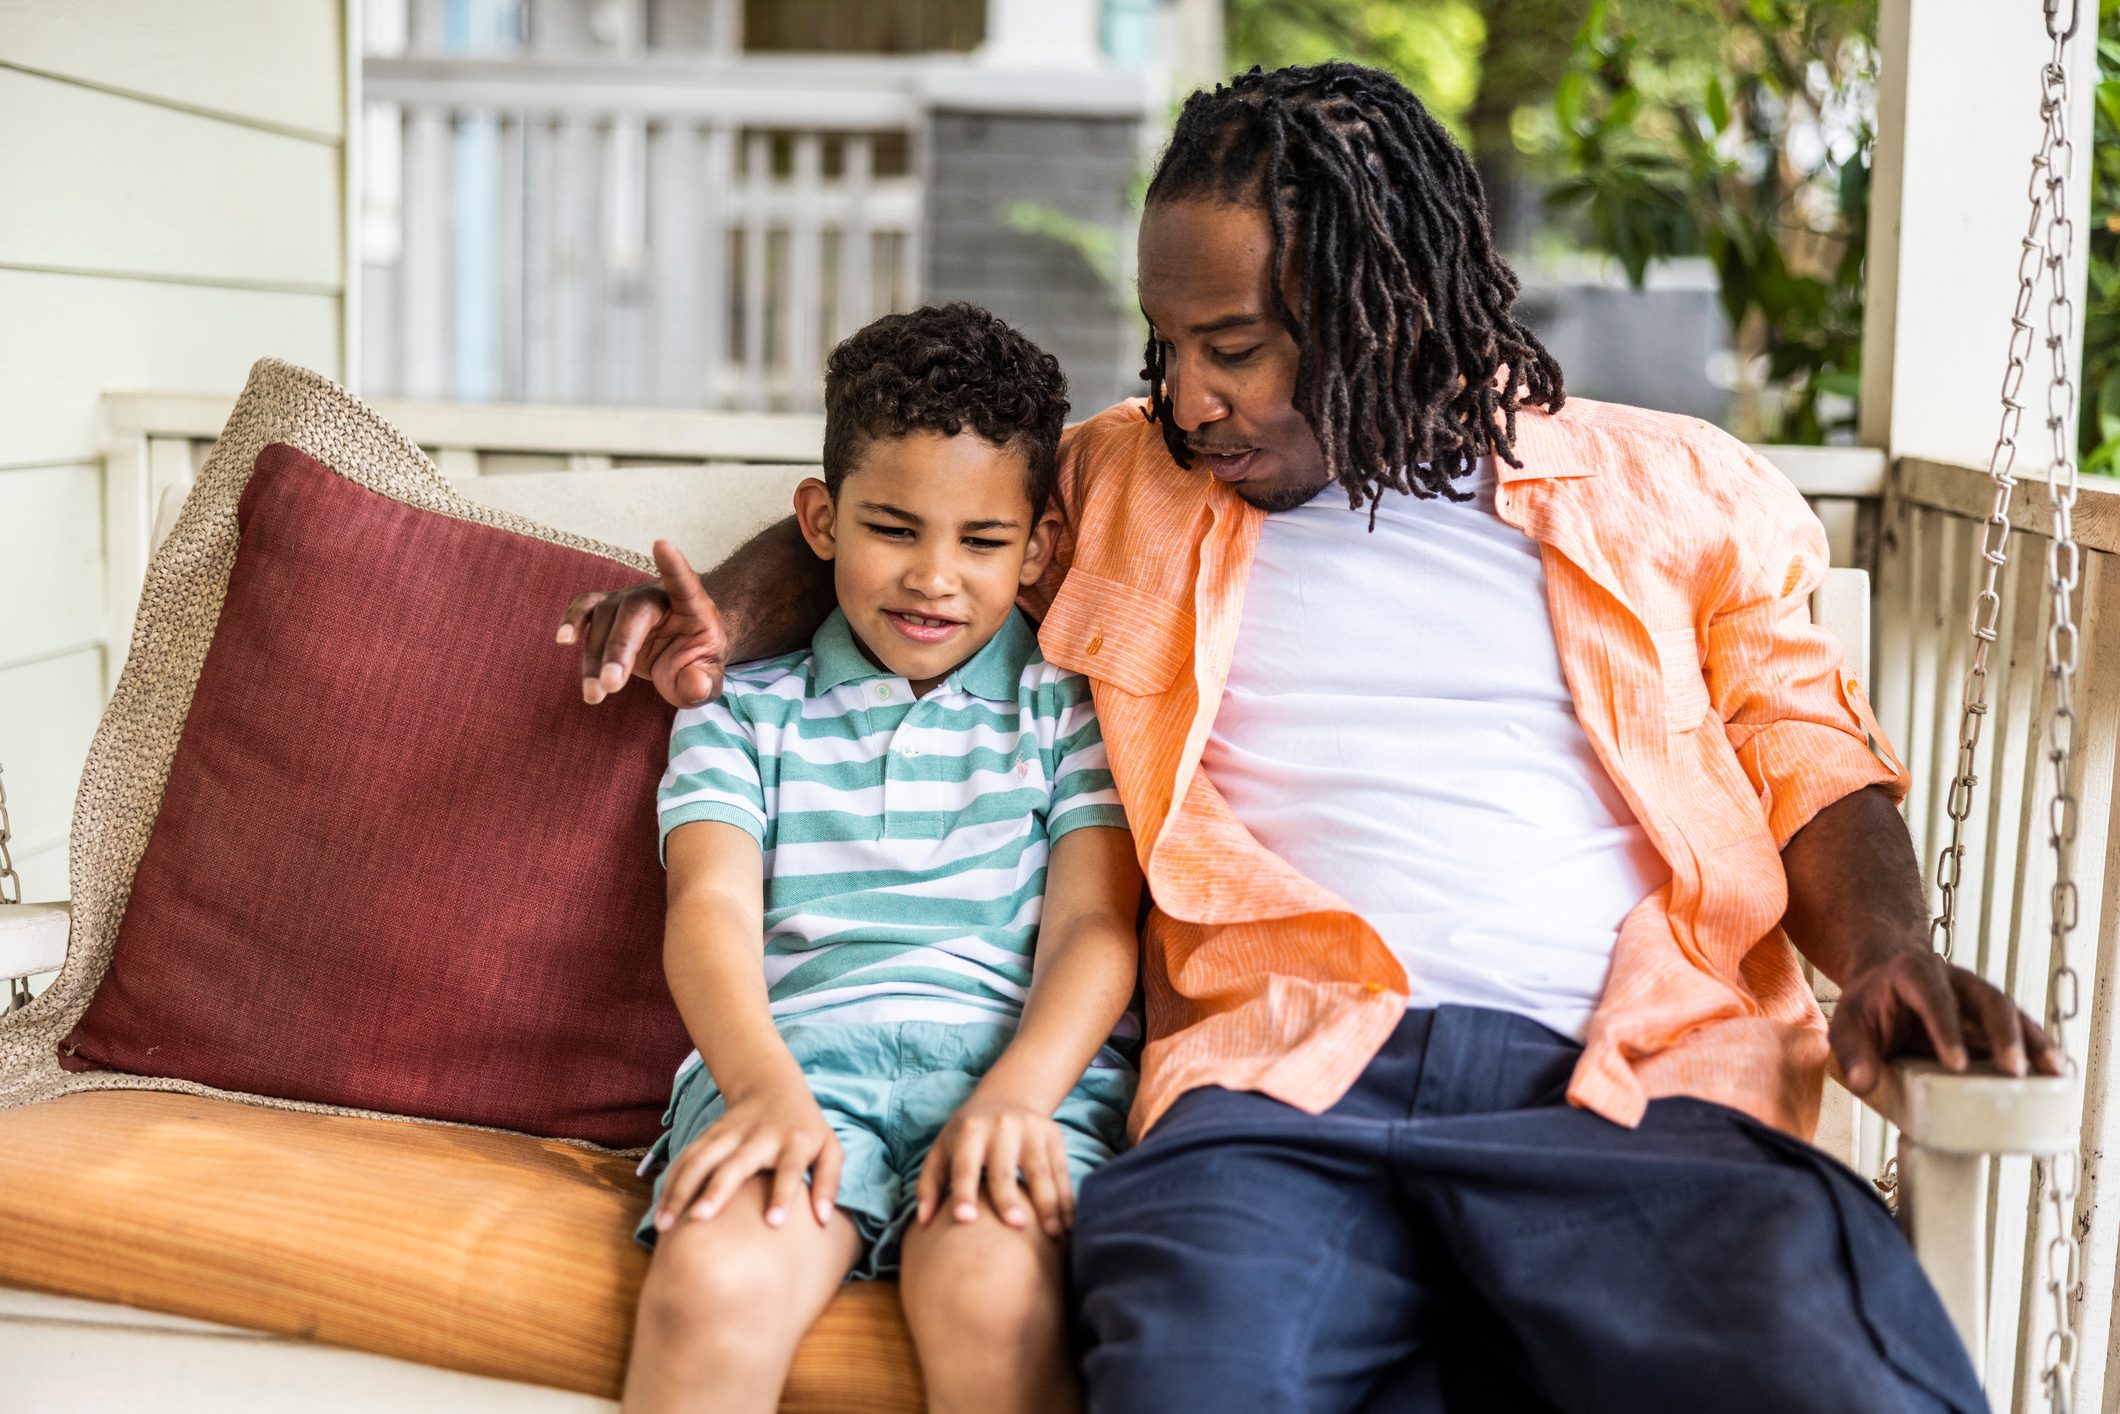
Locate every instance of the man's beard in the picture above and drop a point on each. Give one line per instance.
(1280, 498)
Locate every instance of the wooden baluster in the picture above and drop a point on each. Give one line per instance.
(618, 376)
(715, 234)
(576, 333)
(508, 257)
(757, 179)
(541, 293)
(803, 313)
(424, 315)
(1954, 586)
(1923, 622)
(2091, 951)
(2012, 846)
(676, 305)
(1892, 692)
(2029, 961)
(856, 255)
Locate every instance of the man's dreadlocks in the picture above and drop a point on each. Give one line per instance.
(1405, 309)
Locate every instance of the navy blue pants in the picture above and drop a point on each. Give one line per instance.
(1454, 1236)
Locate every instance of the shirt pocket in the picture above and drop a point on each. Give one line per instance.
(1685, 693)
(1114, 633)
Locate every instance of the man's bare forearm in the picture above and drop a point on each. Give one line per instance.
(772, 593)
(1855, 891)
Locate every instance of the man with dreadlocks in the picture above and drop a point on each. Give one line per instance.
(1484, 764)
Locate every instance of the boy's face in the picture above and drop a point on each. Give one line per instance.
(930, 539)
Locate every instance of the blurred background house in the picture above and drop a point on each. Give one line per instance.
(685, 203)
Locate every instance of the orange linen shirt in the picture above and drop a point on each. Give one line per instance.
(1679, 568)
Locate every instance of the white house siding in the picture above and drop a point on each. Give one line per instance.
(171, 210)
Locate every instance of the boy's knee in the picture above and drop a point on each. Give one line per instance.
(703, 1292)
(984, 1291)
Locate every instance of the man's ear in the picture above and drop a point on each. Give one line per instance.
(1038, 549)
(817, 517)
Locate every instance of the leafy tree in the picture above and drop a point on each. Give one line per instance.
(1739, 130)
(2099, 429)
(1432, 46)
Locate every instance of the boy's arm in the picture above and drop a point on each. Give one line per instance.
(1082, 975)
(1083, 971)
(711, 943)
(712, 937)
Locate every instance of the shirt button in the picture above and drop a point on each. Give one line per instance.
(1096, 642)
(883, 689)
(1372, 986)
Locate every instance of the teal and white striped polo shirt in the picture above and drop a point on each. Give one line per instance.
(905, 838)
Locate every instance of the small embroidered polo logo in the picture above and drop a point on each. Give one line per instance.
(1023, 760)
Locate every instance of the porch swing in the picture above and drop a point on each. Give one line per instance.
(67, 1253)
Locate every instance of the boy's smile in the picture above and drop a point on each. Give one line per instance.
(930, 539)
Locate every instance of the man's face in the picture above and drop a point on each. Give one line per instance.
(930, 539)
(1229, 364)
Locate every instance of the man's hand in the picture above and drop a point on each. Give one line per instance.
(1913, 1002)
(670, 629)
(1856, 910)
(778, 1130)
(985, 1145)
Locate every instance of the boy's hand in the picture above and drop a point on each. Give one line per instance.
(999, 1136)
(779, 1129)
(669, 628)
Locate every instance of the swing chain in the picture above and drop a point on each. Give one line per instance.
(10, 881)
(2063, 564)
(1995, 533)
(2048, 238)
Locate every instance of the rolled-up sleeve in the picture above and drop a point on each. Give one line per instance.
(1796, 715)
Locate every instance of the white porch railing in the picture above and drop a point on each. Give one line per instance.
(685, 232)
(1928, 576)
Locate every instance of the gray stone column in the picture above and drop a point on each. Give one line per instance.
(1062, 153)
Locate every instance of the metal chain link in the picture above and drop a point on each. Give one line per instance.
(2063, 566)
(2047, 249)
(1994, 550)
(10, 881)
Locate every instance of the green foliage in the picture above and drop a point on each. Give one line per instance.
(1432, 46)
(2099, 431)
(1095, 241)
(1738, 130)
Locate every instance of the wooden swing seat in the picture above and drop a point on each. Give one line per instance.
(493, 1254)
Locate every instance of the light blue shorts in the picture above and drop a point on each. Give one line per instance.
(887, 1090)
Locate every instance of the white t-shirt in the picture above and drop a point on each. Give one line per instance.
(1396, 726)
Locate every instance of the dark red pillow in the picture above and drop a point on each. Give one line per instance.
(400, 864)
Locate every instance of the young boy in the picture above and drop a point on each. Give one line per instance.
(917, 817)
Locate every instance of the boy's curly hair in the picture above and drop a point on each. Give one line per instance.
(945, 368)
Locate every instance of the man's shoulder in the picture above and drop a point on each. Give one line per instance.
(1121, 439)
(1646, 431)
(1116, 426)
(1117, 471)
(1642, 448)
